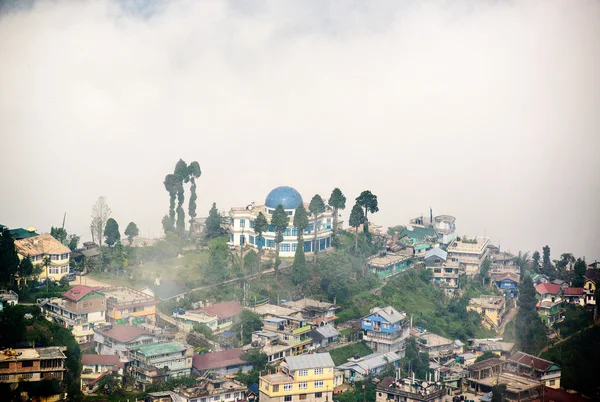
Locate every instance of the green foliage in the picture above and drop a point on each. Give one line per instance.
(9, 260)
(337, 272)
(247, 323)
(498, 392)
(485, 269)
(111, 385)
(529, 328)
(251, 262)
(64, 281)
(131, 231)
(535, 261)
(217, 268)
(341, 355)
(299, 268)
(300, 220)
(180, 382)
(258, 361)
(194, 173)
(357, 218)
(316, 207)
(260, 226)
(168, 225)
(25, 268)
(521, 260)
(111, 232)
(73, 242)
(485, 356)
(576, 319)
(368, 201)
(280, 221)
(395, 229)
(59, 234)
(204, 330)
(579, 272)
(213, 226)
(171, 183)
(547, 267)
(337, 201)
(364, 391)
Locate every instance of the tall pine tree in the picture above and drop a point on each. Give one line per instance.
(299, 268)
(280, 221)
(530, 331)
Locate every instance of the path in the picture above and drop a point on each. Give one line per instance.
(564, 339)
(509, 316)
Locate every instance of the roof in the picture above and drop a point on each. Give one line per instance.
(273, 309)
(42, 244)
(561, 395)
(315, 360)
(21, 233)
(327, 331)
(418, 233)
(101, 360)
(389, 314)
(505, 276)
(307, 303)
(558, 281)
(78, 292)
(545, 288)
(573, 291)
(90, 252)
(592, 275)
(436, 252)
(125, 333)
(531, 361)
(288, 197)
(215, 360)
(486, 364)
(223, 310)
(159, 348)
(369, 362)
(168, 290)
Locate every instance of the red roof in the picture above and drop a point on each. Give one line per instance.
(223, 310)
(531, 361)
(216, 360)
(125, 333)
(101, 360)
(573, 291)
(545, 288)
(78, 292)
(560, 395)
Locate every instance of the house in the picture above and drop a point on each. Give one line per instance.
(438, 347)
(118, 339)
(485, 374)
(168, 290)
(550, 302)
(37, 248)
(387, 264)
(79, 309)
(160, 361)
(162, 396)
(419, 238)
(507, 282)
(315, 311)
(125, 305)
(447, 277)
(358, 368)
(480, 346)
(32, 364)
(270, 343)
(445, 227)
(385, 330)
(307, 377)
(467, 254)
(534, 367)
(223, 362)
(94, 367)
(8, 298)
(435, 257)
(574, 296)
(189, 318)
(291, 331)
(226, 313)
(592, 281)
(272, 310)
(213, 388)
(491, 308)
(409, 389)
(323, 335)
(563, 284)
(20, 233)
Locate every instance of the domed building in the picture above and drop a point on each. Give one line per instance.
(241, 228)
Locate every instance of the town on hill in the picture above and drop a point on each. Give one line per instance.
(291, 298)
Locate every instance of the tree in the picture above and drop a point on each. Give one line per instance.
(167, 225)
(529, 329)
(498, 391)
(337, 201)
(316, 207)
(485, 356)
(25, 268)
(485, 268)
(73, 242)
(194, 173)
(521, 260)
(183, 176)
(368, 201)
(111, 232)
(64, 281)
(171, 185)
(535, 261)
(579, 272)
(100, 214)
(299, 268)
(357, 218)
(547, 268)
(247, 323)
(212, 226)
(131, 231)
(218, 261)
(251, 262)
(59, 234)
(280, 221)
(260, 226)
(9, 260)
(46, 264)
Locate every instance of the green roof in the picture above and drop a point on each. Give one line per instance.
(160, 348)
(418, 233)
(21, 233)
(168, 290)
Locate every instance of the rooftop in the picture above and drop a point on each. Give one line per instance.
(419, 233)
(100, 360)
(436, 252)
(461, 246)
(365, 364)
(531, 361)
(514, 383)
(160, 348)
(125, 333)
(547, 288)
(288, 197)
(315, 360)
(389, 314)
(168, 289)
(223, 310)
(491, 302)
(382, 261)
(573, 291)
(272, 309)
(216, 360)
(51, 352)
(78, 292)
(433, 340)
(505, 276)
(308, 303)
(487, 363)
(20, 233)
(592, 275)
(42, 244)
(126, 295)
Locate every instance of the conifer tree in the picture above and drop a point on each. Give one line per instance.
(357, 218)
(337, 201)
(260, 226)
(316, 207)
(529, 329)
(280, 221)
(299, 268)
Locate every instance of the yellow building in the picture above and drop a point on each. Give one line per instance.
(491, 308)
(125, 305)
(307, 378)
(36, 248)
(592, 281)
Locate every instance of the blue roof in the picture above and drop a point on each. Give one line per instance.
(284, 195)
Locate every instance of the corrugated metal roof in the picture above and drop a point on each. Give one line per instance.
(370, 362)
(437, 252)
(328, 331)
(389, 314)
(316, 360)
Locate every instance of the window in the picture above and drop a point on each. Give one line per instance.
(270, 243)
(27, 363)
(4, 365)
(302, 397)
(251, 224)
(5, 377)
(287, 398)
(288, 387)
(236, 395)
(318, 371)
(552, 382)
(53, 270)
(242, 223)
(54, 257)
(302, 373)
(285, 247)
(294, 245)
(318, 394)
(227, 396)
(267, 386)
(302, 385)
(217, 398)
(27, 376)
(275, 387)
(251, 241)
(367, 322)
(319, 384)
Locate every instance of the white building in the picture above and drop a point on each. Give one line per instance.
(445, 228)
(241, 230)
(467, 254)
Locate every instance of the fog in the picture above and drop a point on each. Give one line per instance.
(485, 110)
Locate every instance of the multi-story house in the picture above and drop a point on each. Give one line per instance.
(385, 330)
(314, 311)
(32, 364)
(491, 308)
(307, 378)
(438, 347)
(125, 305)
(550, 302)
(95, 367)
(292, 331)
(507, 282)
(592, 281)
(387, 264)
(574, 296)
(409, 390)
(447, 277)
(79, 310)
(212, 389)
(270, 343)
(484, 375)
(160, 361)
(359, 368)
(118, 339)
(467, 254)
(534, 367)
(226, 313)
(36, 248)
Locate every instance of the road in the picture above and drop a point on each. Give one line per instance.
(509, 316)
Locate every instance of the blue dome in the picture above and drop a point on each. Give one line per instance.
(284, 195)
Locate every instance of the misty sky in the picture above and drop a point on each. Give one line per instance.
(485, 110)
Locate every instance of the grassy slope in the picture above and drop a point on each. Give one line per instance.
(341, 355)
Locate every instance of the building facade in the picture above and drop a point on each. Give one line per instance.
(37, 248)
(125, 305)
(32, 364)
(79, 310)
(467, 254)
(387, 264)
(409, 390)
(241, 227)
(160, 361)
(307, 378)
(550, 302)
(118, 339)
(542, 370)
(385, 330)
(444, 276)
(491, 308)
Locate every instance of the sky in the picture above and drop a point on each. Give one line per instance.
(484, 110)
